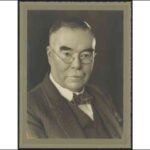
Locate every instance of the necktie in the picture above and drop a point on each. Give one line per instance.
(81, 99)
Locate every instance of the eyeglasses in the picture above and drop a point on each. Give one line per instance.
(86, 57)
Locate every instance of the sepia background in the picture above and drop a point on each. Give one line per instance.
(108, 28)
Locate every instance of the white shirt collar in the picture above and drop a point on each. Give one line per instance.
(63, 91)
(69, 96)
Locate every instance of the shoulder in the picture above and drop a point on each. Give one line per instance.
(99, 92)
(103, 98)
(34, 93)
(39, 99)
(101, 95)
(37, 89)
(35, 100)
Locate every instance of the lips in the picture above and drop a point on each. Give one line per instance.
(75, 78)
(76, 75)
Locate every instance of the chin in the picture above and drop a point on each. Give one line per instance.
(75, 88)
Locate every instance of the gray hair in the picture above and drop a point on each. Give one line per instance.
(73, 23)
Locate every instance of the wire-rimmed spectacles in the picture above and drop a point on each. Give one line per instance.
(86, 57)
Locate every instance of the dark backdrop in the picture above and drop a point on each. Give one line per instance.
(108, 28)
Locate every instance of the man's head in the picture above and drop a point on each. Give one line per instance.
(71, 53)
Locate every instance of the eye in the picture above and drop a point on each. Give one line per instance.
(86, 54)
(66, 53)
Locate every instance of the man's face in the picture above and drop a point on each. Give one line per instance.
(77, 43)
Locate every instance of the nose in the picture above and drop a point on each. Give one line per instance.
(76, 64)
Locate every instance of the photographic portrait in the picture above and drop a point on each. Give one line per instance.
(75, 75)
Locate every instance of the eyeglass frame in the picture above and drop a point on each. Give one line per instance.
(93, 56)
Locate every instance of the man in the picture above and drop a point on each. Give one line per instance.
(64, 105)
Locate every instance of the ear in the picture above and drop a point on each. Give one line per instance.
(48, 51)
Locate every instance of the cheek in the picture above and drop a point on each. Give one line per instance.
(59, 68)
(88, 69)
(62, 68)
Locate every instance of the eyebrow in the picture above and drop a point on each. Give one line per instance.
(65, 48)
(69, 48)
(89, 50)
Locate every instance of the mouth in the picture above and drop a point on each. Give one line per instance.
(75, 78)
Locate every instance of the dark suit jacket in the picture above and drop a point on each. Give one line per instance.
(49, 115)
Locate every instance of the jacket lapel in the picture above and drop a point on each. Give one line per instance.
(104, 108)
(61, 110)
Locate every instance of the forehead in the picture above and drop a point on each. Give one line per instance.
(74, 38)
